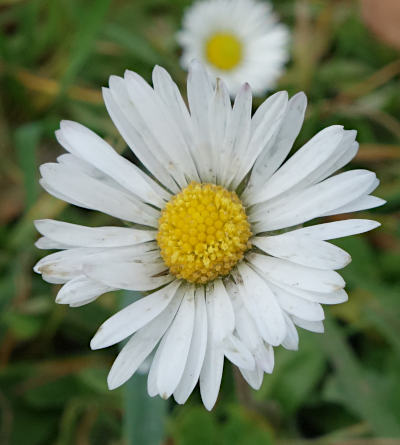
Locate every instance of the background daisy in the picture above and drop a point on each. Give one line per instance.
(238, 40)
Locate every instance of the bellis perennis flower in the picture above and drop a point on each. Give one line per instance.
(237, 40)
(216, 237)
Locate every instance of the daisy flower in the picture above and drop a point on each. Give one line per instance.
(237, 40)
(215, 238)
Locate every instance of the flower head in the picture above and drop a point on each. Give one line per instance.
(237, 40)
(216, 238)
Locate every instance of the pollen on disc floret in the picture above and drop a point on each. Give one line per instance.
(203, 232)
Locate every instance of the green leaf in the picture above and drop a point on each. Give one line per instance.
(355, 387)
(295, 375)
(245, 427)
(91, 21)
(27, 138)
(194, 425)
(54, 393)
(23, 326)
(133, 43)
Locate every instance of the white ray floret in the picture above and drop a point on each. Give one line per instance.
(214, 237)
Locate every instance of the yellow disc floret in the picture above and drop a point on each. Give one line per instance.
(203, 232)
(223, 50)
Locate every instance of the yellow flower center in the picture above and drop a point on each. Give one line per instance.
(203, 232)
(223, 50)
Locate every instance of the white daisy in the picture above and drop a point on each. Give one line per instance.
(237, 40)
(216, 236)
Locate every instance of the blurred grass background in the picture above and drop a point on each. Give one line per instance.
(339, 388)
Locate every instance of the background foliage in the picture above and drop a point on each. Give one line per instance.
(340, 388)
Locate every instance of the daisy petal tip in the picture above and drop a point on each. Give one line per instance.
(113, 80)
(209, 405)
(43, 169)
(195, 64)
(179, 401)
(301, 99)
(246, 87)
(128, 73)
(36, 267)
(112, 384)
(58, 135)
(38, 223)
(66, 124)
(284, 94)
(97, 342)
(59, 299)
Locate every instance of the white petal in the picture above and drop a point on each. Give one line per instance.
(303, 250)
(313, 326)
(161, 128)
(345, 152)
(129, 275)
(304, 164)
(57, 194)
(63, 265)
(300, 307)
(211, 371)
(95, 194)
(83, 302)
(219, 114)
(175, 349)
(237, 352)
(296, 275)
(338, 296)
(247, 331)
(152, 388)
(254, 378)
(124, 114)
(67, 264)
(47, 244)
(314, 201)
(133, 317)
(81, 289)
(291, 341)
(363, 203)
(141, 344)
(199, 93)
(337, 229)
(169, 93)
(82, 236)
(262, 134)
(197, 350)
(237, 134)
(262, 305)
(271, 159)
(87, 145)
(219, 308)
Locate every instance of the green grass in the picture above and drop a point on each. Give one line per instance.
(341, 386)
